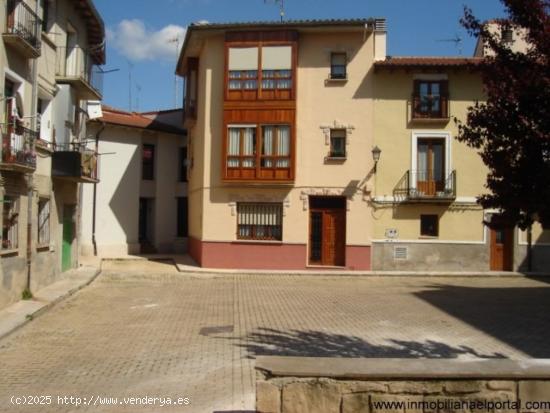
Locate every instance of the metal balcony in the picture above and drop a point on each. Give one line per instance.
(425, 186)
(23, 28)
(18, 153)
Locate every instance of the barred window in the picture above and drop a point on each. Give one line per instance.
(260, 221)
(10, 223)
(43, 221)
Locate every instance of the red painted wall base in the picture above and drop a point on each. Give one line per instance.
(264, 256)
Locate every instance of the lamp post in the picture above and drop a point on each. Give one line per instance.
(376, 151)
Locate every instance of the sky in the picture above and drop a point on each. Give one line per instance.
(142, 45)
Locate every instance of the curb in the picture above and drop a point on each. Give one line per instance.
(48, 305)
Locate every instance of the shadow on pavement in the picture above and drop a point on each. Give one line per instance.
(297, 343)
(519, 317)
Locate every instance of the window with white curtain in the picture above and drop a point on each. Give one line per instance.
(43, 221)
(260, 221)
(241, 146)
(275, 146)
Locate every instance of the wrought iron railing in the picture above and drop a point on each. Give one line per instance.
(88, 158)
(78, 63)
(425, 186)
(430, 107)
(18, 146)
(23, 21)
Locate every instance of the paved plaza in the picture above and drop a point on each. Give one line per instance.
(160, 333)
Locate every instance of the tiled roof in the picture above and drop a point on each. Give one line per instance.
(285, 23)
(418, 61)
(119, 117)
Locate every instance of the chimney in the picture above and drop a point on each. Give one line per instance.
(380, 36)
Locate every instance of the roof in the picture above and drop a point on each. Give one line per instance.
(427, 62)
(356, 23)
(284, 23)
(120, 117)
(95, 26)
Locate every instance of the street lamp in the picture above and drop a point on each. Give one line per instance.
(376, 151)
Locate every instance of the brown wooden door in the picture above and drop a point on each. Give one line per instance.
(328, 237)
(431, 166)
(502, 240)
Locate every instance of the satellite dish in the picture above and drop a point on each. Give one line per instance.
(94, 109)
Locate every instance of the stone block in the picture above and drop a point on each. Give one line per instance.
(268, 398)
(415, 387)
(356, 403)
(364, 387)
(312, 397)
(505, 385)
(463, 386)
(530, 391)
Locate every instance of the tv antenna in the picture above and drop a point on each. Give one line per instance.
(457, 40)
(130, 68)
(138, 89)
(281, 4)
(176, 40)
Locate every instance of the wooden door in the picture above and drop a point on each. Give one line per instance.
(327, 244)
(502, 240)
(431, 166)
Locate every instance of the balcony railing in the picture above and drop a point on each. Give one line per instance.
(18, 149)
(76, 66)
(24, 25)
(73, 163)
(425, 186)
(430, 107)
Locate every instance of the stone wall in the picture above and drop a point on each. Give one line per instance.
(303, 385)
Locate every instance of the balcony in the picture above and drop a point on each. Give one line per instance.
(426, 186)
(76, 67)
(430, 109)
(22, 29)
(18, 153)
(75, 165)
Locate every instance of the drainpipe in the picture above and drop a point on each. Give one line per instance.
(97, 135)
(30, 180)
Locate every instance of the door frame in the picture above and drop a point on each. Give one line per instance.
(343, 211)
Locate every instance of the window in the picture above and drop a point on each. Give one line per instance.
(241, 147)
(243, 68)
(507, 35)
(277, 67)
(260, 221)
(43, 221)
(182, 226)
(275, 146)
(338, 62)
(10, 223)
(429, 225)
(337, 143)
(148, 162)
(182, 164)
(430, 99)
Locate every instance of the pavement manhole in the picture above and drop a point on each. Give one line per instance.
(207, 331)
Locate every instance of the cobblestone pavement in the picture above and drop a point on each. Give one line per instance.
(174, 335)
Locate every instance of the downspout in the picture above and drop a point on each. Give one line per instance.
(30, 180)
(97, 135)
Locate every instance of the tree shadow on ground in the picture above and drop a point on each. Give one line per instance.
(519, 317)
(308, 343)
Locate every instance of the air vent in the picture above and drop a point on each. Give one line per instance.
(400, 253)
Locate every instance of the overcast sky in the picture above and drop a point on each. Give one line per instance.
(141, 34)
